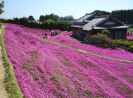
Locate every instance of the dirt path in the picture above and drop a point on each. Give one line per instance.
(83, 51)
(3, 92)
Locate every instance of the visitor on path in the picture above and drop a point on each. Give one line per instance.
(128, 33)
(52, 34)
(131, 33)
(45, 35)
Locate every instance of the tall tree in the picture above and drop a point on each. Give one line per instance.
(31, 18)
(1, 6)
(42, 18)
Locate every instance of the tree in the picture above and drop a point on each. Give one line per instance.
(1, 6)
(49, 21)
(31, 18)
(42, 18)
(105, 32)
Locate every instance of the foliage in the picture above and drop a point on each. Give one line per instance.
(105, 39)
(102, 12)
(31, 18)
(10, 79)
(52, 16)
(125, 43)
(1, 6)
(100, 36)
(124, 16)
(48, 25)
(130, 29)
(131, 47)
(24, 21)
(0, 22)
(106, 32)
(66, 18)
(49, 21)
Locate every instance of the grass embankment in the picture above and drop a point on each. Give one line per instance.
(10, 79)
(129, 30)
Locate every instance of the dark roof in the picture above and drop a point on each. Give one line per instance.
(94, 23)
(76, 25)
(111, 27)
(90, 25)
(84, 17)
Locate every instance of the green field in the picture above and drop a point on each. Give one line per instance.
(129, 30)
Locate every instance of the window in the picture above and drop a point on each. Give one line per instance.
(116, 35)
(120, 35)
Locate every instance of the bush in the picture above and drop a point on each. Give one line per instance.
(105, 40)
(105, 32)
(125, 43)
(0, 22)
(131, 48)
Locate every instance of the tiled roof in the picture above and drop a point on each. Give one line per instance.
(91, 24)
(111, 27)
(84, 17)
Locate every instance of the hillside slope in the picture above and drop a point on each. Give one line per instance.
(44, 70)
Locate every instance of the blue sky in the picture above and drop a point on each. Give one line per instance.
(77, 8)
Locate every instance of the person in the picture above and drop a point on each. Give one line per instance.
(128, 33)
(52, 34)
(46, 35)
(131, 33)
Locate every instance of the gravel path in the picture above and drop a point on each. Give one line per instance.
(3, 92)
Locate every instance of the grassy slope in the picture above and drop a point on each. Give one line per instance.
(11, 83)
(129, 30)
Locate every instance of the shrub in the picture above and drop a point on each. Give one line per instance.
(131, 47)
(105, 32)
(0, 22)
(105, 40)
(125, 43)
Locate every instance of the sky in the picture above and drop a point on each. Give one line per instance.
(76, 8)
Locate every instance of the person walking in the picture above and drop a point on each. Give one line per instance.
(131, 33)
(45, 35)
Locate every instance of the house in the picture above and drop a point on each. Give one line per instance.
(93, 23)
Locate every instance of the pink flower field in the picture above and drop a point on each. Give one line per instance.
(44, 70)
(129, 37)
(120, 54)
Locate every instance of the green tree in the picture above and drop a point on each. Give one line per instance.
(49, 21)
(31, 18)
(42, 18)
(1, 6)
(105, 32)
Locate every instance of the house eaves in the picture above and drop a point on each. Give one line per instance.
(107, 19)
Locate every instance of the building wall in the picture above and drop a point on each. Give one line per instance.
(88, 34)
(113, 32)
(76, 31)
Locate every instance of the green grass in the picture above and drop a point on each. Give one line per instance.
(129, 30)
(10, 79)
